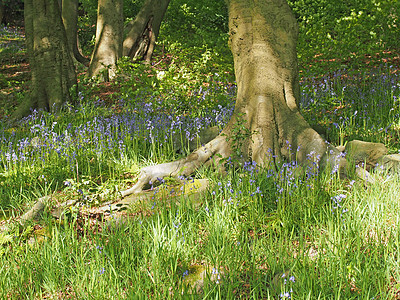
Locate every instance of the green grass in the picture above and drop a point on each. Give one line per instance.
(330, 238)
(251, 240)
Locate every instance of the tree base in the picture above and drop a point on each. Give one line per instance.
(373, 158)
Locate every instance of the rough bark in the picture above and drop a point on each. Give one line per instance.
(266, 125)
(263, 38)
(142, 32)
(109, 34)
(52, 68)
(69, 14)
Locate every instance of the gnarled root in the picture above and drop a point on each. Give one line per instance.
(182, 167)
(315, 153)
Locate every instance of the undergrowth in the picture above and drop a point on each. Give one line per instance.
(255, 233)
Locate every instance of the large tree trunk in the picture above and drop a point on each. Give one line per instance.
(142, 32)
(109, 35)
(263, 38)
(266, 125)
(52, 68)
(69, 12)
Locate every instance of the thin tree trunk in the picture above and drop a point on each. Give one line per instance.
(69, 13)
(142, 32)
(108, 46)
(52, 69)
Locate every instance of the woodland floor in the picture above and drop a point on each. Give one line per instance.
(15, 82)
(15, 71)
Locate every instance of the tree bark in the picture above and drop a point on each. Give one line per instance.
(263, 38)
(69, 12)
(266, 125)
(109, 34)
(142, 32)
(52, 68)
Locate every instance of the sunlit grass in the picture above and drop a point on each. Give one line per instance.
(239, 232)
(254, 234)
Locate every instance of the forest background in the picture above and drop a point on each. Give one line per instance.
(253, 233)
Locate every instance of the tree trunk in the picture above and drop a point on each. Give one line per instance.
(109, 34)
(69, 11)
(52, 69)
(142, 32)
(263, 38)
(266, 125)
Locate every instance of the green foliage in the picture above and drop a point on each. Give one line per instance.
(89, 9)
(256, 233)
(13, 12)
(3, 81)
(192, 76)
(345, 31)
(206, 22)
(355, 105)
(5, 239)
(88, 19)
(197, 29)
(240, 135)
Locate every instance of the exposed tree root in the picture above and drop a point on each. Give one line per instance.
(183, 167)
(211, 152)
(365, 156)
(34, 211)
